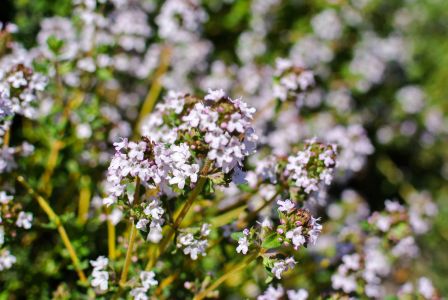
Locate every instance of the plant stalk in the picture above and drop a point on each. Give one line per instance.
(110, 236)
(127, 263)
(55, 219)
(233, 269)
(177, 222)
(132, 235)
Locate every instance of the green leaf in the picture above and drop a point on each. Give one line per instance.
(236, 235)
(55, 44)
(271, 241)
(217, 178)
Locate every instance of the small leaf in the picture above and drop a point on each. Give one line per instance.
(236, 235)
(271, 241)
(55, 44)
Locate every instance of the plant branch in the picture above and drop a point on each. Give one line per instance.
(124, 274)
(178, 220)
(110, 236)
(132, 235)
(232, 269)
(55, 219)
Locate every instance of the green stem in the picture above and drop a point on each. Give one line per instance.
(132, 235)
(127, 263)
(178, 221)
(84, 200)
(110, 236)
(233, 269)
(55, 219)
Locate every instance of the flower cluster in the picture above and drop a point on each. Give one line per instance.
(217, 127)
(279, 266)
(291, 81)
(155, 164)
(311, 166)
(194, 242)
(297, 226)
(147, 281)
(7, 260)
(100, 276)
(12, 217)
(422, 289)
(7, 155)
(19, 86)
(152, 215)
(278, 293)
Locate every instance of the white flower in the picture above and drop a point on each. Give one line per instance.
(192, 246)
(426, 288)
(296, 236)
(236, 123)
(100, 277)
(286, 206)
(327, 25)
(147, 279)
(141, 224)
(282, 266)
(215, 95)
(272, 293)
(341, 280)
(100, 263)
(301, 294)
(383, 223)
(24, 220)
(100, 280)
(266, 223)
(6, 260)
(139, 293)
(352, 261)
(83, 131)
(393, 206)
(243, 245)
(2, 233)
(136, 150)
(205, 229)
(4, 198)
(122, 144)
(17, 80)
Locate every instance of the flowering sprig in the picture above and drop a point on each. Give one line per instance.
(303, 173)
(295, 228)
(100, 275)
(277, 293)
(193, 241)
(217, 127)
(147, 280)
